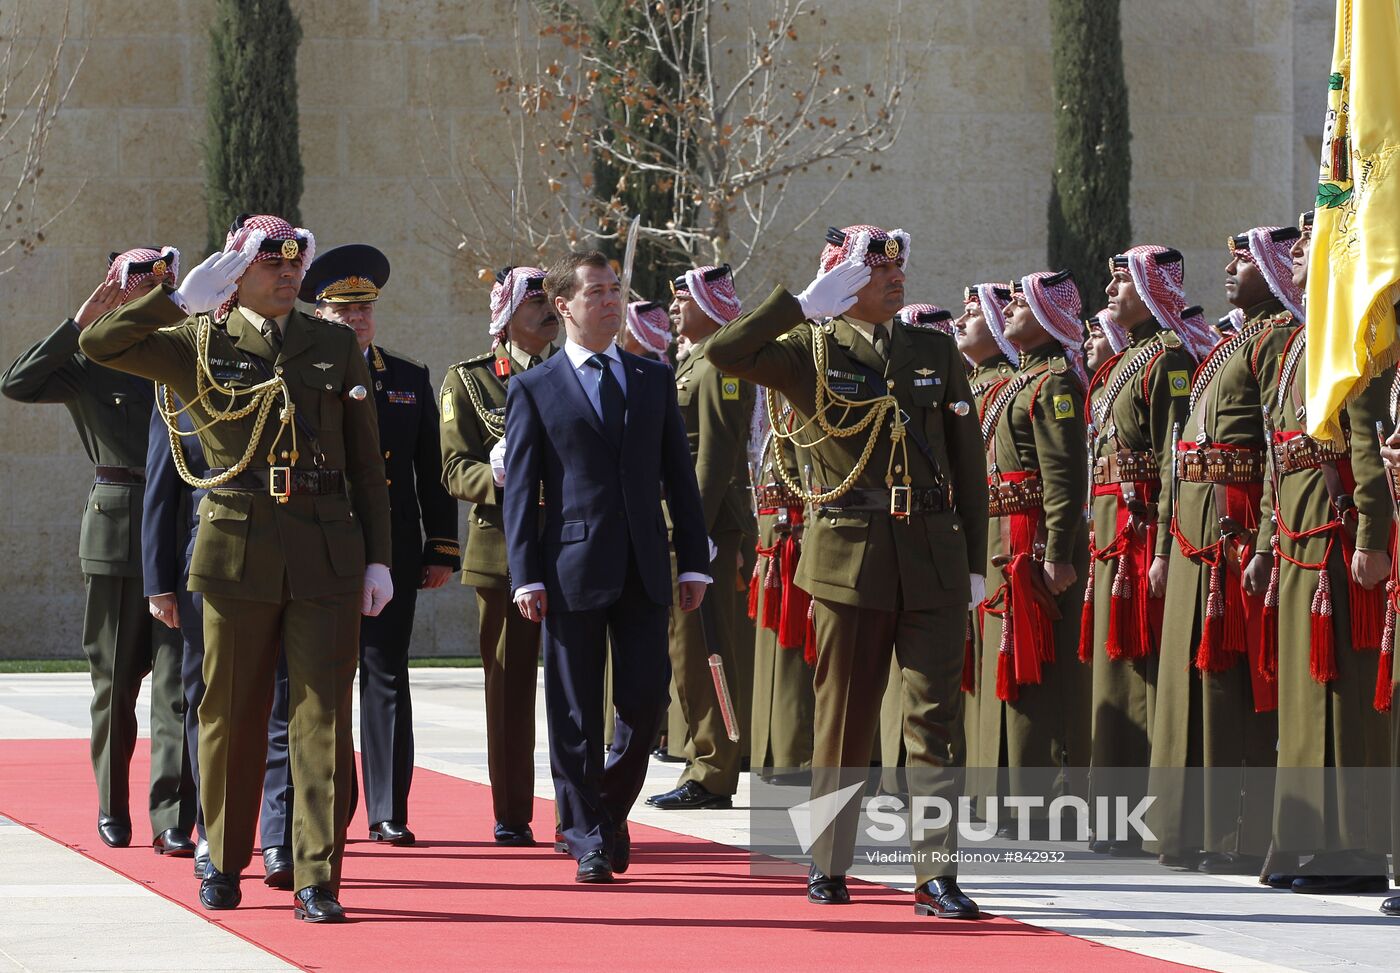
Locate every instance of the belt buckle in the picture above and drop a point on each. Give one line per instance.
(901, 501)
(279, 483)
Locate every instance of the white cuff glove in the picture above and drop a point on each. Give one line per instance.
(379, 588)
(212, 282)
(979, 591)
(714, 551)
(498, 462)
(834, 291)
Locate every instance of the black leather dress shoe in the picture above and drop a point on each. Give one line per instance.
(593, 868)
(823, 889)
(201, 858)
(661, 754)
(1126, 849)
(114, 832)
(1391, 906)
(514, 837)
(690, 796)
(1278, 880)
(277, 867)
(173, 842)
(1230, 863)
(1339, 884)
(393, 832)
(622, 849)
(560, 845)
(941, 897)
(219, 891)
(315, 904)
(1186, 862)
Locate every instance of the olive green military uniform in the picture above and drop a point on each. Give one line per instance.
(510, 643)
(1042, 430)
(879, 583)
(717, 409)
(112, 412)
(781, 735)
(983, 379)
(273, 573)
(1333, 723)
(1208, 719)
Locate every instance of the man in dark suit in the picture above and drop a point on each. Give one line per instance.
(593, 437)
(344, 284)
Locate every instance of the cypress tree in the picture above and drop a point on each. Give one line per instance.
(1088, 213)
(252, 154)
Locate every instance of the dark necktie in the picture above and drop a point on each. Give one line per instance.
(882, 341)
(273, 334)
(611, 398)
(534, 360)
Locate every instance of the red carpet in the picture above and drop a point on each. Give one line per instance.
(457, 902)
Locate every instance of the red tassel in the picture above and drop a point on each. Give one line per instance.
(1268, 654)
(1086, 619)
(1323, 658)
(1121, 613)
(1007, 691)
(1367, 615)
(792, 630)
(1385, 672)
(969, 674)
(754, 583)
(1211, 655)
(809, 643)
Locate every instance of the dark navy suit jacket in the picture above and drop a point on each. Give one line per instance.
(170, 513)
(598, 501)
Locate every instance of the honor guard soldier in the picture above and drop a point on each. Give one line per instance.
(1215, 704)
(294, 537)
(523, 329)
(1325, 550)
(344, 284)
(648, 331)
(980, 333)
(899, 526)
(111, 411)
(1033, 434)
(1139, 403)
(717, 408)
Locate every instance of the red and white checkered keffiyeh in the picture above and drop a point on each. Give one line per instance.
(1117, 337)
(1195, 319)
(650, 325)
(717, 297)
(512, 286)
(1274, 262)
(994, 310)
(119, 270)
(249, 236)
(929, 315)
(1160, 287)
(1057, 307)
(858, 239)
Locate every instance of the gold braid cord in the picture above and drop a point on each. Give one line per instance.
(826, 399)
(494, 424)
(259, 398)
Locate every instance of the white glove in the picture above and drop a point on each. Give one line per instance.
(834, 291)
(498, 462)
(979, 591)
(714, 551)
(212, 282)
(379, 589)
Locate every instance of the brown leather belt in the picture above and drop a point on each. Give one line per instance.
(1217, 464)
(120, 475)
(776, 495)
(1126, 466)
(899, 500)
(1298, 453)
(1005, 497)
(295, 482)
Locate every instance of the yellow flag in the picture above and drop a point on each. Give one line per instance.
(1354, 268)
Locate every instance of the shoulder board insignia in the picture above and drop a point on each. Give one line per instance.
(1064, 407)
(1170, 339)
(1059, 367)
(479, 359)
(1280, 319)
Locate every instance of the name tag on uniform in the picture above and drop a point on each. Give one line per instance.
(844, 388)
(729, 388)
(1180, 383)
(402, 398)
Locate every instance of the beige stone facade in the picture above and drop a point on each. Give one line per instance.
(1226, 104)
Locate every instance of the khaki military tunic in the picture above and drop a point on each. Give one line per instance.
(273, 572)
(880, 583)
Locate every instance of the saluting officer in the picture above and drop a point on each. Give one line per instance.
(111, 411)
(717, 409)
(344, 284)
(899, 525)
(523, 329)
(294, 537)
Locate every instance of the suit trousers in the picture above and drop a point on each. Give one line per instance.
(386, 710)
(320, 637)
(510, 656)
(123, 643)
(595, 793)
(853, 651)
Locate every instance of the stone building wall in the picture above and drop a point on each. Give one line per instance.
(1226, 104)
